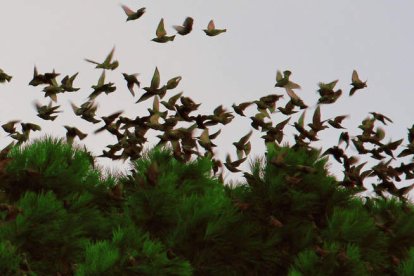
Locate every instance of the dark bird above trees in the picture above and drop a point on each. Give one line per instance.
(131, 81)
(336, 122)
(101, 87)
(241, 107)
(42, 78)
(186, 28)
(9, 126)
(381, 118)
(211, 29)
(108, 64)
(4, 77)
(67, 83)
(162, 34)
(72, 132)
(283, 80)
(45, 111)
(133, 15)
(356, 83)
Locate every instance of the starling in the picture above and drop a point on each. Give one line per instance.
(283, 81)
(131, 81)
(241, 107)
(4, 77)
(133, 15)
(9, 126)
(101, 87)
(243, 145)
(381, 118)
(67, 83)
(211, 29)
(108, 64)
(46, 111)
(336, 122)
(356, 83)
(186, 28)
(72, 132)
(162, 34)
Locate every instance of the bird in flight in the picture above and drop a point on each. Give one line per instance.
(356, 83)
(133, 15)
(131, 81)
(186, 28)
(4, 77)
(162, 34)
(211, 29)
(108, 64)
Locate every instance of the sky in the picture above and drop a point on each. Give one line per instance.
(319, 41)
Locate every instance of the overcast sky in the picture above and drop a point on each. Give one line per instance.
(317, 40)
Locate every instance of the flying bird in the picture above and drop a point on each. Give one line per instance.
(4, 77)
(243, 145)
(211, 29)
(9, 126)
(241, 107)
(162, 34)
(46, 78)
(101, 87)
(72, 132)
(186, 28)
(356, 83)
(283, 80)
(108, 64)
(133, 15)
(131, 81)
(46, 111)
(67, 83)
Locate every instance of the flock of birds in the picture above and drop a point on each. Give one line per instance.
(130, 132)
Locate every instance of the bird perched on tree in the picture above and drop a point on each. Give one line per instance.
(162, 34)
(186, 28)
(4, 77)
(108, 64)
(45, 111)
(356, 83)
(131, 81)
(133, 15)
(211, 29)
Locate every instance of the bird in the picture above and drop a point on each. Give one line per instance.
(107, 64)
(336, 122)
(67, 83)
(327, 93)
(154, 88)
(131, 81)
(101, 87)
(356, 83)
(4, 77)
(232, 165)
(211, 29)
(243, 145)
(86, 111)
(186, 28)
(162, 34)
(72, 132)
(133, 15)
(317, 124)
(46, 111)
(9, 126)
(283, 80)
(39, 79)
(344, 137)
(108, 120)
(380, 117)
(52, 90)
(241, 107)
(205, 142)
(170, 104)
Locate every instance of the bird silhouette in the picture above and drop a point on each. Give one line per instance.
(86, 111)
(154, 88)
(131, 81)
(232, 165)
(46, 111)
(170, 104)
(107, 64)
(356, 83)
(133, 15)
(101, 87)
(186, 28)
(72, 132)
(4, 77)
(9, 126)
(317, 124)
(241, 107)
(243, 145)
(380, 117)
(162, 34)
(67, 83)
(283, 80)
(108, 120)
(327, 93)
(39, 79)
(336, 122)
(211, 29)
(52, 90)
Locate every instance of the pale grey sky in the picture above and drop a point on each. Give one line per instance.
(317, 40)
